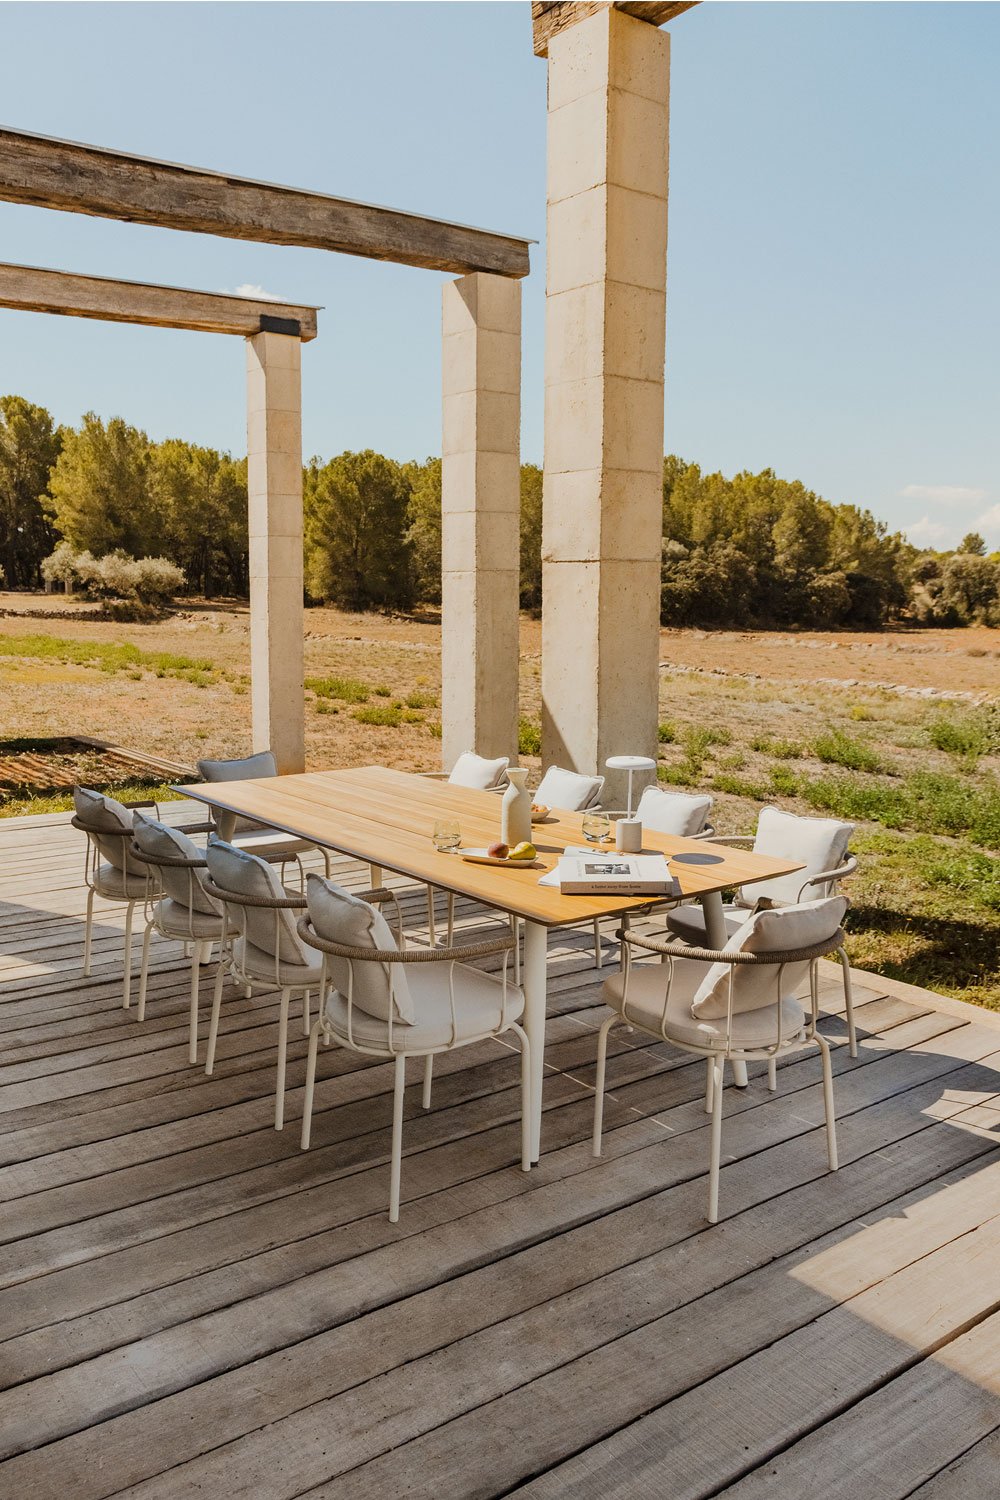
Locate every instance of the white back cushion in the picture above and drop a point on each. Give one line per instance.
(245, 875)
(817, 843)
(569, 790)
(778, 931)
(673, 812)
(107, 819)
(477, 773)
(183, 885)
(342, 918)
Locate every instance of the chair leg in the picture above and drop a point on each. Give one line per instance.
(713, 1170)
(127, 984)
(431, 930)
(598, 951)
(602, 1058)
(88, 929)
(397, 1138)
(428, 1077)
(326, 861)
(852, 1035)
(193, 1021)
(213, 1029)
(451, 918)
(831, 1114)
(306, 1023)
(525, 1098)
(772, 1074)
(307, 1103)
(140, 1014)
(515, 929)
(709, 1085)
(279, 1090)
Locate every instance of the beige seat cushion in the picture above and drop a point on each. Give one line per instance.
(342, 918)
(688, 922)
(175, 919)
(478, 1010)
(256, 964)
(678, 813)
(752, 1029)
(111, 883)
(269, 842)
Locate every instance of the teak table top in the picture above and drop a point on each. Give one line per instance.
(387, 817)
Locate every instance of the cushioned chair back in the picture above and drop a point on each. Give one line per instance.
(673, 812)
(817, 843)
(342, 918)
(110, 823)
(250, 768)
(783, 930)
(183, 885)
(477, 773)
(265, 928)
(569, 790)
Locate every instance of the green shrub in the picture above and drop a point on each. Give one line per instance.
(680, 775)
(969, 736)
(784, 781)
(385, 715)
(836, 748)
(666, 733)
(740, 786)
(529, 737)
(780, 749)
(420, 700)
(382, 691)
(347, 689)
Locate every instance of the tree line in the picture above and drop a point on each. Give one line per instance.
(750, 550)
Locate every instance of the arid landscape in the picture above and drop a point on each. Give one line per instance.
(896, 731)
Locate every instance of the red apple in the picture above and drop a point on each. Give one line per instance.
(498, 851)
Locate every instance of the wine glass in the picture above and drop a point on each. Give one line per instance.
(596, 827)
(447, 835)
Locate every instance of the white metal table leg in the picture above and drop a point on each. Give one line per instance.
(718, 937)
(534, 980)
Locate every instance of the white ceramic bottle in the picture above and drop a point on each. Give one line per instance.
(515, 810)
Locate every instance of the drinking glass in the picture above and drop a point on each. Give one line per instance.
(596, 827)
(447, 835)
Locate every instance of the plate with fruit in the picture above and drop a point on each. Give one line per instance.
(521, 857)
(539, 812)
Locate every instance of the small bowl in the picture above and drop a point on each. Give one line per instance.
(538, 812)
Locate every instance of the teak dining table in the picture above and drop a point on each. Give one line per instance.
(386, 818)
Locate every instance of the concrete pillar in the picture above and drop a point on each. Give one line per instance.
(480, 504)
(604, 355)
(274, 479)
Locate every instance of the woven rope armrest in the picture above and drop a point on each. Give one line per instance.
(729, 840)
(236, 898)
(720, 956)
(402, 955)
(178, 861)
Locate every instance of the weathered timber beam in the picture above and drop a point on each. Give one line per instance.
(32, 289)
(549, 17)
(109, 184)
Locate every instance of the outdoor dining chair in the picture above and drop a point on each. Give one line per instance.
(478, 774)
(382, 999)
(256, 838)
(737, 1003)
(820, 846)
(261, 945)
(108, 870)
(178, 906)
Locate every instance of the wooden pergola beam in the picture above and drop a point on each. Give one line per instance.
(48, 173)
(549, 17)
(33, 289)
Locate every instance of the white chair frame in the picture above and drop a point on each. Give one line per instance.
(200, 946)
(717, 1056)
(826, 883)
(93, 859)
(395, 1047)
(233, 906)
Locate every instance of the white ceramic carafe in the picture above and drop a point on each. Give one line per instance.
(515, 809)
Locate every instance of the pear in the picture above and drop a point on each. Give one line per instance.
(523, 851)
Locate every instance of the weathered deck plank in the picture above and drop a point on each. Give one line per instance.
(191, 1305)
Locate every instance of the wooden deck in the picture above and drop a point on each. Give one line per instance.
(189, 1305)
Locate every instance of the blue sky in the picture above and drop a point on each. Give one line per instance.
(833, 298)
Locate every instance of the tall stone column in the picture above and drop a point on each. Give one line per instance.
(274, 480)
(604, 355)
(480, 510)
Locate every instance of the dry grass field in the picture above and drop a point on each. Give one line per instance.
(897, 732)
